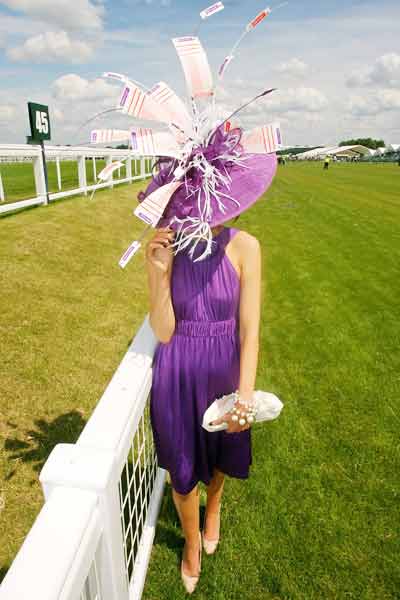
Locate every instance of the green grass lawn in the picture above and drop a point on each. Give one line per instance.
(319, 516)
(19, 183)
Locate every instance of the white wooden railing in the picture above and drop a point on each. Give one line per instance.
(93, 537)
(58, 154)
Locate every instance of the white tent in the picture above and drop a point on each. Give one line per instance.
(315, 153)
(340, 151)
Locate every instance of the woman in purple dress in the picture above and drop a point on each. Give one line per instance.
(204, 287)
(206, 316)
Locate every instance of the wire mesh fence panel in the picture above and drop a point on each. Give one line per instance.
(135, 488)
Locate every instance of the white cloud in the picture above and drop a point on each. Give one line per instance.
(68, 14)
(11, 25)
(58, 115)
(300, 99)
(7, 112)
(385, 71)
(74, 87)
(373, 104)
(334, 47)
(52, 47)
(293, 68)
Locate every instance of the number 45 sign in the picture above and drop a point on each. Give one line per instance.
(39, 121)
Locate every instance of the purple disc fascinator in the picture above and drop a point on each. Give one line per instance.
(208, 169)
(220, 181)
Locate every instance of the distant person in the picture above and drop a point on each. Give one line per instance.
(326, 162)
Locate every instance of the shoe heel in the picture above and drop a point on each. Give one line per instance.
(190, 581)
(210, 546)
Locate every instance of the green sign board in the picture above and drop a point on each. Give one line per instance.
(39, 121)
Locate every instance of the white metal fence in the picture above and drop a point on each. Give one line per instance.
(93, 536)
(136, 168)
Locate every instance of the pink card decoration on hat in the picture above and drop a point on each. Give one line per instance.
(262, 140)
(147, 142)
(107, 172)
(257, 20)
(129, 253)
(142, 141)
(135, 102)
(211, 10)
(249, 27)
(162, 94)
(103, 136)
(151, 209)
(224, 65)
(116, 76)
(195, 66)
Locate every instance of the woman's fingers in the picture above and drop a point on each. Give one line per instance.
(159, 250)
(233, 426)
(165, 238)
(157, 244)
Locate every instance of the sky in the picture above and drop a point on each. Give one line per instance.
(335, 63)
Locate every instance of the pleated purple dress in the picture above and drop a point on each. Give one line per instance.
(200, 363)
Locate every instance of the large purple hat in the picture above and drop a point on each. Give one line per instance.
(241, 179)
(216, 176)
(207, 170)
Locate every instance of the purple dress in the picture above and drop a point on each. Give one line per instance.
(200, 363)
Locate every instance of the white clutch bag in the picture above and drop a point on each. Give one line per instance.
(268, 408)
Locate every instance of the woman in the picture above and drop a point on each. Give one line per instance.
(206, 317)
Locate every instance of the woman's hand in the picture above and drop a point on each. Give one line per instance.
(159, 254)
(233, 426)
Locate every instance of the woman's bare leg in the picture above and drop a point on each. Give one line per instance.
(187, 506)
(214, 496)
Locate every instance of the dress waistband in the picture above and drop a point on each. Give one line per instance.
(205, 328)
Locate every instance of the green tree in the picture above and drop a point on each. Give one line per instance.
(368, 142)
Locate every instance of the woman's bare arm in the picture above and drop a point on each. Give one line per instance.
(250, 309)
(159, 260)
(245, 254)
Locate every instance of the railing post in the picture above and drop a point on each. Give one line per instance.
(94, 470)
(82, 173)
(129, 169)
(142, 168)
(108, 162)
(54, 559)
(2, 197)
(40, 182)
(94, 169)
(58, 173)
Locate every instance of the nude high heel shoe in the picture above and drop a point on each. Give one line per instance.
(211, 545)
(190, 581)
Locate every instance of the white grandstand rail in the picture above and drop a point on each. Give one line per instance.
(91, 470)
(59, 557)
(118, 425)
(58, 173)
(2, 197)
(113, 464)
(16, 152)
